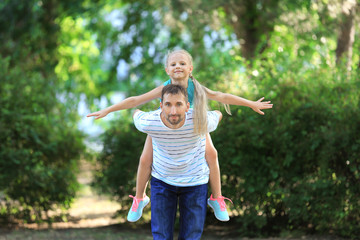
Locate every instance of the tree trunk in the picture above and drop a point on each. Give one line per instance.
(251, 23)
(346, 38)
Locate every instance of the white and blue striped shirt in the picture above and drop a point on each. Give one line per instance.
(178, 154)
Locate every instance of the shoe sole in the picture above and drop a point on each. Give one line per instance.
(215, 213)
(140, 214)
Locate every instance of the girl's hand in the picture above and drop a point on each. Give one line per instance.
(258, 105)
(98, 114)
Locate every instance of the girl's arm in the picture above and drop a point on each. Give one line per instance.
(227, 98)
(129, 102)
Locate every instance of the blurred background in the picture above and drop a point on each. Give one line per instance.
(295, 169)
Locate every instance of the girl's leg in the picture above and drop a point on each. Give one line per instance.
(144, 169)
(143, 175)
(211, 157)
(216, 200)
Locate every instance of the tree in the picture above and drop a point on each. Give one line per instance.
(40, 144)
(346, 35)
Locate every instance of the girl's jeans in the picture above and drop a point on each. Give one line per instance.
(192, 206)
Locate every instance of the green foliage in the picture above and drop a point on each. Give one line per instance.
(39, 141)
(39, 144)
(79, 69)
(297, 166)
(119, 159)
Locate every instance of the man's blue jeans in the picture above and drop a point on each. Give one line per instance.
(192, 206)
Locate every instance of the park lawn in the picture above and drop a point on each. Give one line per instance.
(115, 233)
(72, 234)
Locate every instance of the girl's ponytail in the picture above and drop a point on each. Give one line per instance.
(200, 108)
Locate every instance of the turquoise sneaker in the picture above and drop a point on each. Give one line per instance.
(137, 208)
(219, 207)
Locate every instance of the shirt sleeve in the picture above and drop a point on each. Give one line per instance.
(213, 120)
(140, 120)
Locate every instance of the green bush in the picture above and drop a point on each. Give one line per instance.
(39, 146)
(297, 166)
(119, 159)
(39, 141)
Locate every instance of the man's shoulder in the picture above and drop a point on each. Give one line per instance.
(213, 114)
(145, 121)
(190, 112)
(155, 112)
(210, 114)
(147, 115)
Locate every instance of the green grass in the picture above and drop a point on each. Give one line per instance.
(73, 234)
(119, 232)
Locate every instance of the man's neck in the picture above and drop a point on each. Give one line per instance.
(179, 125)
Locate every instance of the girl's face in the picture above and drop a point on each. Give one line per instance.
(178, 66)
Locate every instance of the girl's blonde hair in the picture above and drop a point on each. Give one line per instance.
(200, 100)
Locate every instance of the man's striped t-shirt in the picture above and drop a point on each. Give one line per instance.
(178, 154)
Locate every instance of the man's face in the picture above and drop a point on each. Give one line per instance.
(174, 107)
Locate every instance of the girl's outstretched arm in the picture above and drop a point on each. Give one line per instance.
(227, 98)
(128, 103)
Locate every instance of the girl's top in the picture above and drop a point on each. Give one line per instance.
(190, 90)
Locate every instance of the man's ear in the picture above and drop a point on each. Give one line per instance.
(187, 107)
(161, 105)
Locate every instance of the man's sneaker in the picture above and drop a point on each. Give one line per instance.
(137, 208)
(219, 207)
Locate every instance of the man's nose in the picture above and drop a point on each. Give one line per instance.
(173, 110)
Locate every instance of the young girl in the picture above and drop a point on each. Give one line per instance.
(179, 66)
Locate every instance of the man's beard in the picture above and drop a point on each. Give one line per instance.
(174, 121)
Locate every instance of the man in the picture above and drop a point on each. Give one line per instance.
(179, 171)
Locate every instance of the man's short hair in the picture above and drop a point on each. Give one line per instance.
(174, 89)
